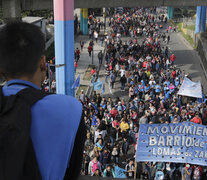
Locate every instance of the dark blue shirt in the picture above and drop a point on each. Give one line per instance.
(55, 121)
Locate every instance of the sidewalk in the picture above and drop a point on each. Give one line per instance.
(85, 59)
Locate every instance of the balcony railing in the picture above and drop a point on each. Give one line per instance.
(97, 178)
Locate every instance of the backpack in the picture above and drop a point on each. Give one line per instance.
(196, 173)
(100, 55)
(176, 175)
(17, 156)
(114, 152)
(95, 166)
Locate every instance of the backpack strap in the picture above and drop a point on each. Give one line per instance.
(31, 95)
(8, 104)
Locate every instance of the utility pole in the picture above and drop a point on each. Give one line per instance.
(92, 47)
(64, 45)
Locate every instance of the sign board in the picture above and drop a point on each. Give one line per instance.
(190, 88)
(175, 142)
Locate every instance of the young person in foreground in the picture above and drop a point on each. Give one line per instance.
(57, 128)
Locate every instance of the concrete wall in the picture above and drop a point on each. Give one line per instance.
(36, 4)
(136, 3)
(11, 10)
(42, 25)
(200, 41)
(202, 48)
(48, 4)
(188, 32)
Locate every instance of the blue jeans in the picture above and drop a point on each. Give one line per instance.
(149, 171)
(115, 159)
(112, 141)
(122, 86)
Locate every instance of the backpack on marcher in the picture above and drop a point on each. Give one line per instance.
(159, 175)
(196, 173)
(114, 152)
(95, 166)
(100, 55)
(17, 156)
(176, 175)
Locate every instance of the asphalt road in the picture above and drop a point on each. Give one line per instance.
(187, 58)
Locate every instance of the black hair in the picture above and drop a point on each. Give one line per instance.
(21, 47)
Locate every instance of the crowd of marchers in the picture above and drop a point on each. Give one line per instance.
(143, 66)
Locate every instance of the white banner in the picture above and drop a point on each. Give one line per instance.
(191, 89)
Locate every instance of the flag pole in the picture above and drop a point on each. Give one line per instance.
(135, 170)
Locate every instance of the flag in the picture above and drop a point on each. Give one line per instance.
(103, 89)
(95, 108)
(94, 121)
(76, 83)
(119, 172)
(97, 85)
(110, 88)
(136, 90)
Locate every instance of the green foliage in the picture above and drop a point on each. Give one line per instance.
(185, 12)
(39, 13)
(50, 52)
(186, 36)
(192, 27)
(189, 39)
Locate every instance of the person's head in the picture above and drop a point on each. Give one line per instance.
(197, 114)
(95, 159)
(99, 136)
(187, 166)
(97, 172)
(105, 150)
(100, 141)
(95, 149)
(131, 161)
(21, 52)
(108, 168)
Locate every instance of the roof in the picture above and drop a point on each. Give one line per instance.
(31, 19)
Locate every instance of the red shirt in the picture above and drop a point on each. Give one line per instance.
(172, 57)
(93, 71)
(77, 52)
(115, 124)
(114, 113)
(173, 74)
(144, 64)
(89, 48)
(110, 67)
(196, 120)
(76, 64)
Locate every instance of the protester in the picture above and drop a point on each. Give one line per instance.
(186, 172)
(100, 57)
(142, 66)
(130, 169)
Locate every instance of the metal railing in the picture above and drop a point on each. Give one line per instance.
(97, 178)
